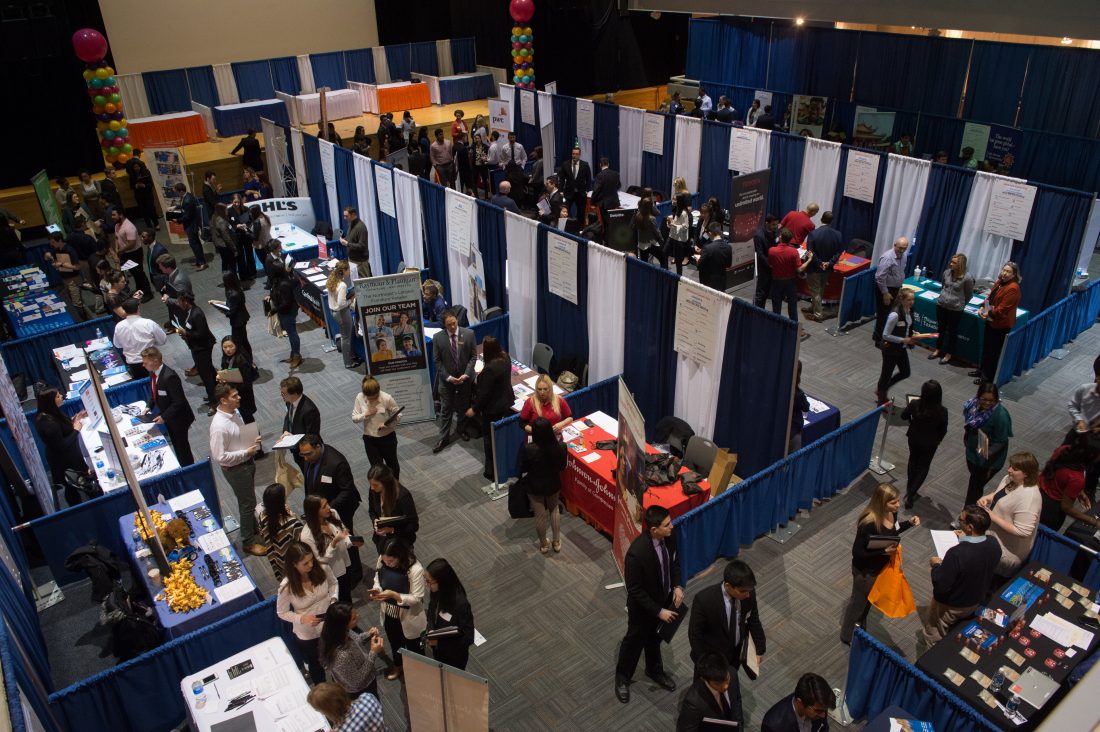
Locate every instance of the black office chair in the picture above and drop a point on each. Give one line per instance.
(860, 248)
(700, 454)
(462, 315)
(494, 312)
(541, 356)
(675, 432)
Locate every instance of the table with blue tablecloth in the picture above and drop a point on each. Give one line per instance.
(819, 421)
(466, 87)
(36, 314)
(237, 119)
(235, 590)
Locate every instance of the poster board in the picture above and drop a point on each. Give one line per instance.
(527, 106)
(442, 697)
(24, 441)
(389, 309)
(1004, 144)
(167, 168)
(630, 482)
(748, 206)
(653, 134)
(742, 152)
(975, 136)
(280, 173)
(808, 115)
(696, 334)
(561, 265)
(873, 129)
(460, 216)
(500, 115)
(551, 87)
(586, 119)
(51, 213)
(383, 186)
(297, 211)
(475, 282)
(861, 175)
(1010, 204)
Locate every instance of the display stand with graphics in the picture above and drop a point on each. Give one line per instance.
(630, 481)
(748, 206)
(444, 698)
(166, 165)
(51, 213)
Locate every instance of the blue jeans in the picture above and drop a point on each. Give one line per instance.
(291, 328)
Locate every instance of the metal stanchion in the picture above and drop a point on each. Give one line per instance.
(836, 328)
(879, 465)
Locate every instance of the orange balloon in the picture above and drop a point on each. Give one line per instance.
(101, 126)
(109, 108)
(112, 158)
(123, 157)
(97, 108)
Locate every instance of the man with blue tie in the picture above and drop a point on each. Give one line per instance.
(454, 351)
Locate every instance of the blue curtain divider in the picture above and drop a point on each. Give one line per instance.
(143, 694)
(424, 58)
(389, 234)
(167, 91)
(60, 533)
(857, 299)
(204, 90)
(434, 202)
(1053, 328)
(879, 678)
(1060, 160)
(347, 194)
(463, 55)
(33, 356)
(360, 65)
(1048, 256)
(530, 136)
(315, 179)
(399, 61)
(715, 177)
(1059, 94)
(18, 677)
(787, 152)
(328, 70)
(253, 80)
(285, 76)
(562, 325)
(493, 245)
(650, 369)
(935, 133)
(854, 218)
(940, 223)
(892, 71)
(996, 78)
(495, 327)
(657, 169)
(809, 63)
(565, 127)
(1054, 550)
(21, 615)
(606, 144)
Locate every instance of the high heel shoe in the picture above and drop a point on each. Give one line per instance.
(557, 547)
(393, 674)
(545, 547)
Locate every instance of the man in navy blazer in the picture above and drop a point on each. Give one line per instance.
(807, 708)
(455, 353)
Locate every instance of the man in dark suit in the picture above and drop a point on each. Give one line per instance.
(176, 281)
(724, 616)
(302, 416)
(765, 238)
(327, 473)
(652, 574)
(200, 341)
(605, 192)
(455, 354)
(714, 258)
(555, 202)
(168, 402)
(807, 708)
(575, 178)
(191, 220)
(504, 198)
(766, 121)
(709, 697)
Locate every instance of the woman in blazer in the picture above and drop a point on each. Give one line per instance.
(927, 418)
(958, 288)
(540, 465)
(986, 435)
(399, 590)
(647, 234)
(60, 435)
(225, 242)
(999, 314)
(234, 357)
(494, 395)
(389, 498)
(448, 606)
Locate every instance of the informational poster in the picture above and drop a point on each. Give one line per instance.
(696, 335)
(551, 88)
(742, 155)
(561, 265)
(328, 174)
(586, 119)
(1009, 208)
(475, 280)
(764, 97)
(630, 482)
(1004, 144)
(297, 151)
(166, 167)
(297, 211)
(873, 129)
(860, 176)
(527, 106)
(748, 206)
(975, 136)
(383, 185)
(393, 333)
(460, 216)
(442, 697)
(24, 441)
(808, 115)
(500, 115)
(51, 214)
(653, 134)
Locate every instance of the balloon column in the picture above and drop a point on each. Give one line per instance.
(114, 137)
(523, 41)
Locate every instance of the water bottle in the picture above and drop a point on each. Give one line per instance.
(110, 473)
(997, 682)
(200, 694)
(1013, 704)
(98, 333)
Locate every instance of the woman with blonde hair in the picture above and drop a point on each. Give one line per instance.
(339, 303)
(345, 714)
(546, 403)
(1014, 507)
(958, 288)
(877, 520)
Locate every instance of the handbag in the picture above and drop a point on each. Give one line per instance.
(285, 474)
(891, 593)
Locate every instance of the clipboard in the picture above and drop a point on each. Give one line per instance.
(390, 521)
(667, 630)
(879, 541)
(231, 376)
(390, 420)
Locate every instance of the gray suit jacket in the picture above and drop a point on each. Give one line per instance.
(444, 362)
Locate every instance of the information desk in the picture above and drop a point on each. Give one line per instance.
(35, 314)
(296, 241)
(588, 488)
(393, 97)
(1015, 648)
(167, 130)
(234, 590)
(339, 104)
(971, 327)
(819, 421)
(848, 264)
(150, 452)
(237, 119)
(274, 679)
(107, 360)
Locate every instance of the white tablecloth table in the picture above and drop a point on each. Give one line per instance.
(146, 464)
(340, 104)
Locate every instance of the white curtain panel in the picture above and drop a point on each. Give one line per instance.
(606, 310)
(457, 262)
(985, 253)
(410, 218)
(132, 89)
(274, 154)
(305, 73)
(381, 66)
(506, 92)
(820, 166)
(546, 120)
(630, 146)
(299, 155)
(328, 172)
(696, 397)
(1089, 240)
(226, 84)
(902, 201)
(443, 53)
(522, 267)
(689, 144)
(763, 148)
(368, 209)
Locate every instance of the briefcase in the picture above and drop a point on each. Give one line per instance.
(518, 504)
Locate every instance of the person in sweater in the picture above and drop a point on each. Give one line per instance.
(347, 654)
(961, 579)
(986, 434)
(1014, 508)
(927, 418)
(999, 313)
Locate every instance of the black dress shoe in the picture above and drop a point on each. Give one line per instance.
(975, 372)
(443, 442)
(465, 437)
(909, 501)
(663, 680)
(622, 690)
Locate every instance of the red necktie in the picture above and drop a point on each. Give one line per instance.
(154, 385)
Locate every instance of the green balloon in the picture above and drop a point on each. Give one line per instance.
(523, 52)
(112, 150)
(114, 98)
(100, 100)
(127, 148)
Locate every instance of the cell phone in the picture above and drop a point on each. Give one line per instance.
(589, 422)
(241, 668)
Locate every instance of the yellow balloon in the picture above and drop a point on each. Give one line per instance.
(101, 73)
(114, 125)
(530, 71)
(100, 126)
(88, 74)
(527, 31)
(110, 71)
(516, 30)
(124, 122)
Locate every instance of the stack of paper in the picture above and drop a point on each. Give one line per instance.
(943, 540)
(1061, 631)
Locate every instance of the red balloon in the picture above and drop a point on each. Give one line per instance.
(90, 45)
(521, 10)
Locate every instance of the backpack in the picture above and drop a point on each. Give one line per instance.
(100, 564)
(134, 629)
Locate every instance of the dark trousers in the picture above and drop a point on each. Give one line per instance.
(228, 258)
(453, 401)
(383, 451)
(195, 243)
(991, 350)
(858, 605)
(578, 200)
(246, 261)
(291, 327)
(920, 460)
(763, 283)
(396, 636)
(148, 209)
(894, 356)
(311, 652)
(138, 272)
(177, 434)
(205, 365)
(882, 309)
(655, 252)
(979, 476)
(785, 291)
(457, 657)
(948, 323)
(641, 636)
(240, 337)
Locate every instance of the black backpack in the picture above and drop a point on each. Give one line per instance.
(100, 564)
(134, 629)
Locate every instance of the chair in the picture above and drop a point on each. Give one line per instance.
(584, 377)
(860, 248)
(494, 312)
(462, 315)
(700, 455)
(541, 356)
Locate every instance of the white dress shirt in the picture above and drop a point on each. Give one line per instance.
(225, 439)
(375, 425)
(506, 154)
(338, 300)
(705, 104)
(135, 333)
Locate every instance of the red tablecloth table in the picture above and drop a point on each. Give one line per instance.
(589, 488)
(167, 130)
(848, 264)
(395, 99)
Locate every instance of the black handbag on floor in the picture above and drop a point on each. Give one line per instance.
(519, 506)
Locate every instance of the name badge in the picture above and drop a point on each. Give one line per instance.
(326, 478)
(161, 392)
(444, 616)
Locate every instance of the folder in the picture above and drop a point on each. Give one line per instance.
(390, 521)
(447, 631)
(390, 420)
(231, 376)
(667, 630)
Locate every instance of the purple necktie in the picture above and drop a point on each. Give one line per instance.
(454, 350)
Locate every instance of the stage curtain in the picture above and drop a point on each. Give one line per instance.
(1060, 91)
(494, 252)
(328, 70)
(18, 678)
(820, 172)
(892, 72)
(435, 230)
(368, 210)
(1048, 256)
(704, 46)
(562, 325)
(166, 91)
(787, 152)
(996, 78)
(33, 356)
(902, 200)
(20, 614)
(657, 169)
(423, 58)
(398, 61)
(687, 150)
(204, 90)
(935, 133)
(528, 135)
(285, 76)
(606, 312)
(410, 218)
(253, 79)
(458, 261)
(857, 219)
(132, 89)
(565, 126)
(650, 372)
(606, 144)
(985, 253)
(631, 121)
(941, 219)
(315, 179)
(715, 177)
(226, 82)
(523, 283)
(360, 64)
(463, 55)
(695, 383)
(1059, 324)
(758, 368)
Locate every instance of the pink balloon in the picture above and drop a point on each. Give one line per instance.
(90, 45)
(521, 10)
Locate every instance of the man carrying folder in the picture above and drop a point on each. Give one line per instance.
(654, 598)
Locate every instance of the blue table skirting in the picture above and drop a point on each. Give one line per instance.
(239, 120)
(464, 89)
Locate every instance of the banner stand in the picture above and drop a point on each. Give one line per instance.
(834, 329)
(495, 490)
(879, 465)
